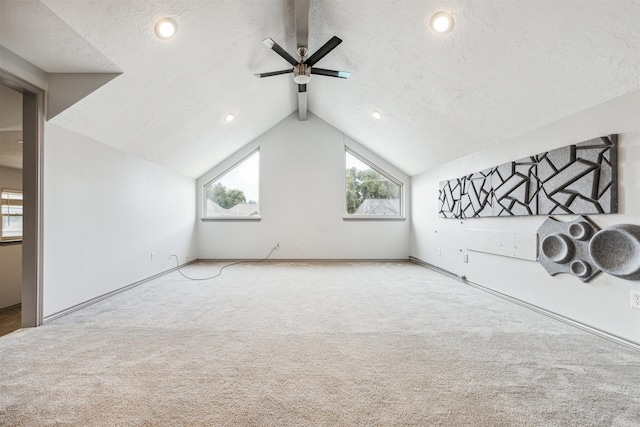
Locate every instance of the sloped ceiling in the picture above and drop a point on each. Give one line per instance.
(508, 67)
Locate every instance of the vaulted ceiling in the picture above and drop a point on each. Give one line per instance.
(507, 68)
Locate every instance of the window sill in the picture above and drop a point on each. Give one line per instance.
(373, 217)
(231, 218)
(10, 242)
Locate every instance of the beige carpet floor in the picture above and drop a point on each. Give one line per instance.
(313, 344)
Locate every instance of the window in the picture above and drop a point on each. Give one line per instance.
(235, 193)
(11, 215)
(370, 191)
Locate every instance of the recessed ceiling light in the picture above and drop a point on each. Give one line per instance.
(229, 117)
(376, 114)
(441, 23)
(166, 28)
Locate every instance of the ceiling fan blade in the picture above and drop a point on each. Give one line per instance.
(302, 102)
(280, 51)
(331, 73)
(273, 73)
(301, 8)
(320, 53)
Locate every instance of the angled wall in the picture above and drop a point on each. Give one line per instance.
(302, 202)
(65, 89)
(501, 251)
(105, 212)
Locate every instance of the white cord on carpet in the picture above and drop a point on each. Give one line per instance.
(222, 268)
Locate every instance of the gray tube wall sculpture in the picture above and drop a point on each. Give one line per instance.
(616, 251)
(580, 248)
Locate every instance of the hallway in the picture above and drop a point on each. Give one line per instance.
(10, 319)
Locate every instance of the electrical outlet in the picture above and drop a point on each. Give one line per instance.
(465, 257)
(635, 299)
(439, 251)
(297, 245)
(277, 245)
(153, 256)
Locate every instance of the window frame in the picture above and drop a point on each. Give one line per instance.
(11, 239)
(219, 217)
(383, 172)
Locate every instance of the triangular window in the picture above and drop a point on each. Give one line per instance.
(235, 193)
(370, 191)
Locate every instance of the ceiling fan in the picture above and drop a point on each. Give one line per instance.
(304, 67)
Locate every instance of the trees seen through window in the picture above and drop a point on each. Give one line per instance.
(369, 190)
(235, 193)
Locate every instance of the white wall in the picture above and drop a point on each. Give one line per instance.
(10, 253)
(302, 173)
(104, 213)
(603, 303)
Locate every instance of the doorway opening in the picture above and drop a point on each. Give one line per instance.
(10, 210)
(21, 124)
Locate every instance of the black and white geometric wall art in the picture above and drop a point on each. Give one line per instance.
(580, 248)
(576, 179)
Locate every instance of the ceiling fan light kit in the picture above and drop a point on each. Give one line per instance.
(303, 67)
(301, 74)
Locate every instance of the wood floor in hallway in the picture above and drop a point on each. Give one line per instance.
(10, 319)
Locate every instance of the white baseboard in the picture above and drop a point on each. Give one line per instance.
(611, 337)
(92, 301)
(304, 260)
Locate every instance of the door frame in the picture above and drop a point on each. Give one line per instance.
(33, 116)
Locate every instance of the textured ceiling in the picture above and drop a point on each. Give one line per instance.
(508, 67)
(34, 32)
